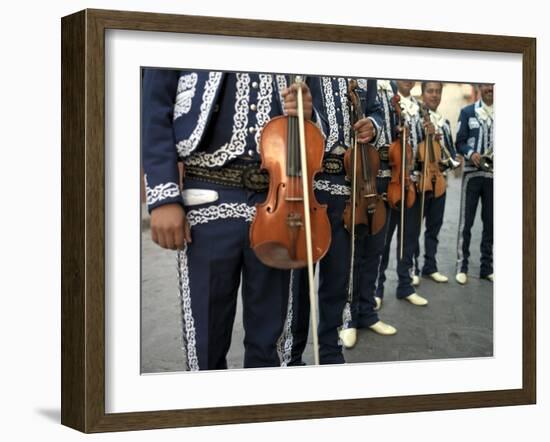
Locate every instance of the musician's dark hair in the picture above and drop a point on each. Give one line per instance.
(424, 83)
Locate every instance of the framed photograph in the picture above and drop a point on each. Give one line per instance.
(133, 356)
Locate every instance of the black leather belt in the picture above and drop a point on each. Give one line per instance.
(244, 176)
(333, 165)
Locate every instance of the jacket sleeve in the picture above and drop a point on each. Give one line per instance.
(462, 145)
(318, 116)
(448, 140)
(373, 109)
(419, 122)
(159, 155)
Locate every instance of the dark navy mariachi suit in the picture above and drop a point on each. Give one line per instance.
(411, 227)
(475, 134)
(369, 248)
(330, 99)
(213, 120)
(434, 208)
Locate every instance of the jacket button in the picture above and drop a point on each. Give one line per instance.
(255, 85)
(253, 107)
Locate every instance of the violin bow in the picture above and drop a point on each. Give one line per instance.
(425, 114)
(353, 207)
(403, 171)
(307, 221)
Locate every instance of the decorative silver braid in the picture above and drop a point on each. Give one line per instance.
(285, 341)
(281, 86)
(264, 106)
(387, 129)
(343, 86)
(331, 113)
(189, 344)
(237, 143)
(346, 316)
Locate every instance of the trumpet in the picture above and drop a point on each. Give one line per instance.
(486, 161)
(448, 162)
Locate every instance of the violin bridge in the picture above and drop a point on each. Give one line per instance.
(294, 220)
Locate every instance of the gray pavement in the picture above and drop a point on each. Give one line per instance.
(457, 322)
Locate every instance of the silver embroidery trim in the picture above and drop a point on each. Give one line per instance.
(331, 114)
(281, 85)
(473, 123)
(362, 83)
(285, 341)
(414, 122)
(414, 134)
(485, 138)
(160, 192)
(386, 173)
(237, 143)
(346, 316)
(264, 106)
(185, 94)
(189, 342)
(343, 86)
(185, 147)
(333, 189)
(386, 139)
(460, 237)
(221, 211)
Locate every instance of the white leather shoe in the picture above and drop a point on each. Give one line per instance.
(491, 277)
(438, 277)
(417, 299)
(348, 336)
(383, 329)
(415, 280)
(461, 278)
(378, 301)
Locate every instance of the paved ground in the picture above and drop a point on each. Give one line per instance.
(457, 323)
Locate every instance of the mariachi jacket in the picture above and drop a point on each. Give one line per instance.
(386, 91)
(330, 98)
(177, 109)
(443, 127)
(475, 132)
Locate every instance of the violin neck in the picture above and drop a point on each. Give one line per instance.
(293, 163)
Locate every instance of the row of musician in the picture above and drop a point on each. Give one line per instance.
(321, 173)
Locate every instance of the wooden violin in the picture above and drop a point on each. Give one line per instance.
(429, 156)
(278, 232)
(362, 162)
(400, 160)
(401, 189)
(291, 229)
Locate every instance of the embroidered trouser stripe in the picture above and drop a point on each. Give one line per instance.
(284, 344)
(333, 282)
(475, 185)
(367, 263)
(188, 324)
(434, 210)
(405, 265)
(218, 259)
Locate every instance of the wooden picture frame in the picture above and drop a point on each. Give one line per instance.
(83, 220)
